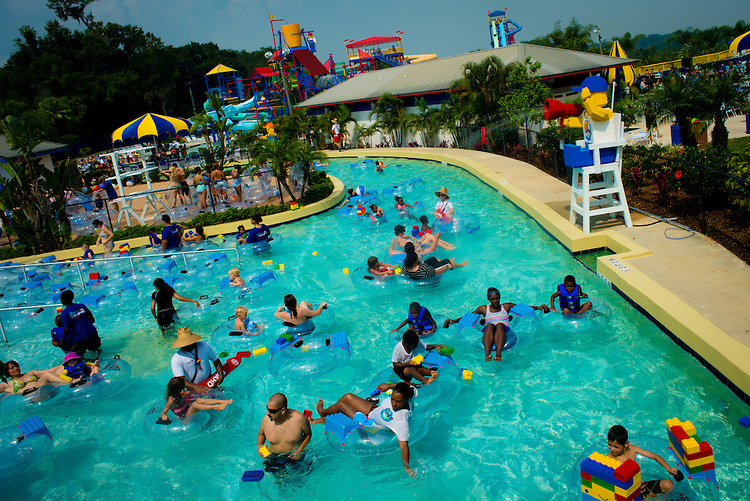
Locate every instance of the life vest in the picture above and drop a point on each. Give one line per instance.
(78, 370)
(420, 323)
(570, 300)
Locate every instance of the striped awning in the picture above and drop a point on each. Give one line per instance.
(149, 125)
(626, 71)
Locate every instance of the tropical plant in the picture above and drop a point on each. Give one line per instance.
(425, 122)
(35, 196)
(343, 115)
(719, 95)
(365, 133)
(306, 156)
(390, 113)
(215, 152)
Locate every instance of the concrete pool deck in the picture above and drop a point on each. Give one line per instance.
(693, 288)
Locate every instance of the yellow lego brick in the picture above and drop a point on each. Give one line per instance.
(700, 461)
(602, 493)
(690, 446)
(622, 492)
(672, 422)
(689, 428)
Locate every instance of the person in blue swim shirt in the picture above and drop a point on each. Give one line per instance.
(78, 326)
(171, 235)
(419, 319)
(57, 333)
(259, 232)
(570, 295)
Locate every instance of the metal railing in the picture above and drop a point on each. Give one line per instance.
(79, 263)
(26, 307)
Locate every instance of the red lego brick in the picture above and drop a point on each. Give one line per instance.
(627, 470)
(679, 433)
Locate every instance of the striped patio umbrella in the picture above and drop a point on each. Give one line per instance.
(626, 72)
(150, 125)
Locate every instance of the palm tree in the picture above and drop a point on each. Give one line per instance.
(215, 153)
(424, 122)
(680, 99)
(454, 116)
(720, 95)
(390, 112)
(307, 156)
(344, 116)
(366, 133)
(279, 156)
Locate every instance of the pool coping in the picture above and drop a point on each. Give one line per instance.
(724, 356)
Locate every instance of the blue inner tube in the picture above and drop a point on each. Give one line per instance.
(307, 358)
(464, 223)
(593, 320)
(363, 280)
(187, 427)
(16, 456)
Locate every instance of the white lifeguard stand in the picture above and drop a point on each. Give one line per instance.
(603, 142)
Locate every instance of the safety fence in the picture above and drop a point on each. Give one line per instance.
(181, 202)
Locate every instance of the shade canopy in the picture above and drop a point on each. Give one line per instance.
(150, 125)
(220, 68)
(626, 71)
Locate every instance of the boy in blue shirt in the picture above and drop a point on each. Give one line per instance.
(77, 321)
(171, 235)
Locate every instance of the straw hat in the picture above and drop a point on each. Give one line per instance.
(185, 337)
(442, 191)
(335, 120)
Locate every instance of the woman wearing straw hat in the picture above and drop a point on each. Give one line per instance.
(193, 361)
(444, 207)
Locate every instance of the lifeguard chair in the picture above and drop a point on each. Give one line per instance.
(599, 153)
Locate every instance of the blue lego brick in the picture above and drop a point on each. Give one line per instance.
(59, 267)
(522, 310)
(745, 422)
(339, 340)
(129, 286)
(168, 265)
(92, 300)
(435, 359)
(32, 426)
(60, 287)
(415, 180)
(30, 285)
(224, 282)
(253, 475)
(586, 497)
(468, 320)
(341, 425)
(48, 259)
(217, 256)
(387, 193)
(344, 211)
(263, 277)
(39, 277)
(170, 281)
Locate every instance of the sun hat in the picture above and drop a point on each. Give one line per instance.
(334, 120)
(185, 337)
(70, 356)
(442, 191)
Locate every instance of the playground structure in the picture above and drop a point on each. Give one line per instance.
(369, 54)
(272, 90)
(502, 29)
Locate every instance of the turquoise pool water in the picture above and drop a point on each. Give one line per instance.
(513, 432)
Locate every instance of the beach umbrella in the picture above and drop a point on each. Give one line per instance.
(740, 43)
(150, 125)
(625, 72)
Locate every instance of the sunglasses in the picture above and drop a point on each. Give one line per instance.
(273, 411)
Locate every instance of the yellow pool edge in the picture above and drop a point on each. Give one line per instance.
(726, 355)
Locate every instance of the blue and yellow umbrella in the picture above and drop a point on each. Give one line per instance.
(150, 125)
(626, 72)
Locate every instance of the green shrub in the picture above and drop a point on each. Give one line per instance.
(320, 187)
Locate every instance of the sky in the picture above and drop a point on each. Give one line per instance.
(443, 27)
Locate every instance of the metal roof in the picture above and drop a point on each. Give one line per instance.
(372, 41)
(43, 148)
(437, 75)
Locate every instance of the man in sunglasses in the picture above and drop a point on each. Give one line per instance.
(287, 432)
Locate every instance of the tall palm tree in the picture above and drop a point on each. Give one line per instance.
(482, 85)
(279, 157)
(391, 113)
(307, 156)
(344, 116)
(720, 95)
(425, 122)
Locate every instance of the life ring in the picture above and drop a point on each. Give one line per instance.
(592, 320)
(363, 280)
(226, 336)
(187, 427)
(458, 224)
(272, 243)
(524, 329)
(22, 446)
(257, 283)
(304, 358)
(322, 323)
